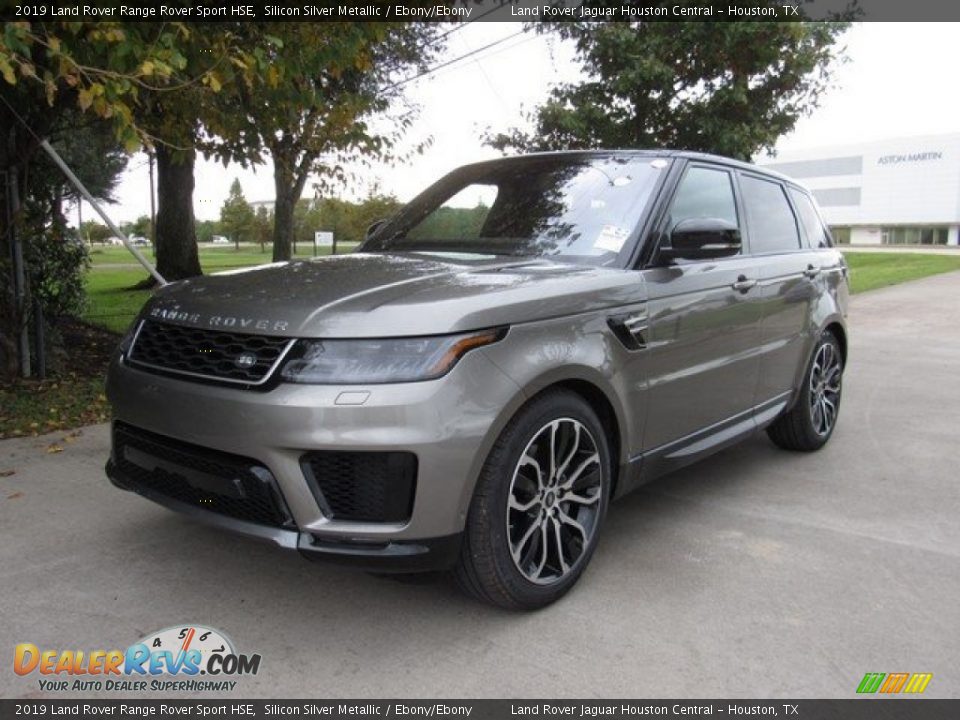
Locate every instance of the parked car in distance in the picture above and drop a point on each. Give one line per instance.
(523, 342)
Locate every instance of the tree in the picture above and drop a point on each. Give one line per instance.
(172, 122)
(138, 228)
(730, 88)
(263, 227)
(92, 232)
(206, 229)
(236, 216)
(152, 81)
(308, 98)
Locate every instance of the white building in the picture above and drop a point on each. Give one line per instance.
(902, 190)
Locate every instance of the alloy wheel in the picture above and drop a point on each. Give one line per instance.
(554, 501)
(825, 377)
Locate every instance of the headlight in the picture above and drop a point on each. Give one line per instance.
(352, 362)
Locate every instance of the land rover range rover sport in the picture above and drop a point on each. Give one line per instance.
(523, 342)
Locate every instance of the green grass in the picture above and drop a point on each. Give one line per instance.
(211, 258)
(111, 303)
(869, 271)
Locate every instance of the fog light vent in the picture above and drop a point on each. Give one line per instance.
(362, 486)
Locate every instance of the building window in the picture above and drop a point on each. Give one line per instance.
(915, 235)
(841, 235)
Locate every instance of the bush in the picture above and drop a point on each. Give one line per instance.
(57, 262)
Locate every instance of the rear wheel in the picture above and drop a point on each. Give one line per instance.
(808, 425)
(539, 504)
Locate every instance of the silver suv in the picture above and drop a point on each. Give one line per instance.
(523, 342)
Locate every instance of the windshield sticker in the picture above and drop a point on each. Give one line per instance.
(611, 238)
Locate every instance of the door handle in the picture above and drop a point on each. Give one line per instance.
(811, 271)
(743, 284)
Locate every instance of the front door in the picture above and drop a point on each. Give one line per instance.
(704, 323)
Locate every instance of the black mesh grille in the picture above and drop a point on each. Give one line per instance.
(363, 486)
(210, 353)
(219, 482)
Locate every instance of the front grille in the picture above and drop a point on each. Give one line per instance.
(219, 482)
(214, 354)
(362, 486)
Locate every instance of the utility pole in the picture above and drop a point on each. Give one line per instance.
(153, 209)
(85, 241)
(19, 272)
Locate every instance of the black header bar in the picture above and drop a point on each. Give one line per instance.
(481, 10)
(864, 709)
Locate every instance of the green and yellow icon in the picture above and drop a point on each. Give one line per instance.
(892, 683)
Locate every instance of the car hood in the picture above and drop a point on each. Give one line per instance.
(389, 295)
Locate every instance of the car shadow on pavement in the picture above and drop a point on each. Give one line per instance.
(221, 563)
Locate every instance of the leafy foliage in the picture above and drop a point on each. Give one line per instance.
(236, 216)
(347, 221)
(138, 228)
(57, 262)
(730, 88)
(453, 222)
(104, 68)
(309, 95)
(93, 232)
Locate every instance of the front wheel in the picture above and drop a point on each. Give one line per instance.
(808, 425)
(541, 498)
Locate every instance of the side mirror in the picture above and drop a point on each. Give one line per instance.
(702, 239)
(372, 228)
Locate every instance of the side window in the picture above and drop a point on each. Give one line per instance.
(773, 227)
(704, 193)
(813, 229)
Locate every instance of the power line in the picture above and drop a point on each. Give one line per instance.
(461, 26)
(447, 63)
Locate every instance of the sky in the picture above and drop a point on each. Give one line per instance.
(892, 85)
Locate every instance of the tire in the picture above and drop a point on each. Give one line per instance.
(524, 545)
(808, 425)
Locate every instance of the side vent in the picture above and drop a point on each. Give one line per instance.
(630, 329)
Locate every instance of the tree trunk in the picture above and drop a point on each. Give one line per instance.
(283, 224)
(176, 233)
(288, 186)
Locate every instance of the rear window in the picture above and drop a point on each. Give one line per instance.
(773, 227)
(813, 229)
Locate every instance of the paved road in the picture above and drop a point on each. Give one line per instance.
(758, 573)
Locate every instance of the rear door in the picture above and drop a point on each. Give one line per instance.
(789, 282)
(703, 321)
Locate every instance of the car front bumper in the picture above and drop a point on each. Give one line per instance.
(410, 556)
(449, 424)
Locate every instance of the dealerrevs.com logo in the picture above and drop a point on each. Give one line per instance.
(187, 658)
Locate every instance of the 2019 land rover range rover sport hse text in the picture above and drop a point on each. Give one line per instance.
(526, 340)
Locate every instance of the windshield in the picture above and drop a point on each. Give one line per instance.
(571, 208)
